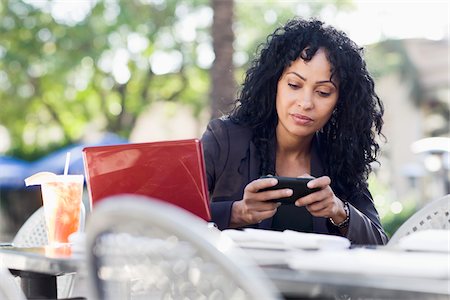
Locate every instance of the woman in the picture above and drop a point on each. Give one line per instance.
(307, 108)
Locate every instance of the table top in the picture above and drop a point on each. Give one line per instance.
(45, 260)
(290, 281)
(328, 284)
(358, 281)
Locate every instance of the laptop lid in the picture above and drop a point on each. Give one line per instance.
(172, 171)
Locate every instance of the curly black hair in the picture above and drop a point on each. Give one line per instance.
(348, 138)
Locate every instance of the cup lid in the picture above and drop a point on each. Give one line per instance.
(46, 177)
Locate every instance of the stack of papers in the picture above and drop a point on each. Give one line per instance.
(285, 240)
(374, 262)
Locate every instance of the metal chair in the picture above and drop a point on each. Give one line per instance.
(434, 215)
(33, 233)
(142, 248)
(9, 289)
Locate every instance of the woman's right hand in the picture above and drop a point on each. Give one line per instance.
(255, 205)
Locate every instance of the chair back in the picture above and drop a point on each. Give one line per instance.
(142, 248)
(9, 289)
(434, 215)
(33, 232)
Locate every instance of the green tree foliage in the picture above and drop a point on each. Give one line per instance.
(63, 75)
(256, 19)
(71, 67)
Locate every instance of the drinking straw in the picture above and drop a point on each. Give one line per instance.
(66, 166)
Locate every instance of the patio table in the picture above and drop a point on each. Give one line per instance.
(38, 268)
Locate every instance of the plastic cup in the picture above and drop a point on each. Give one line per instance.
(62, 196)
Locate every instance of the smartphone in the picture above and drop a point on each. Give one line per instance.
(297, 184)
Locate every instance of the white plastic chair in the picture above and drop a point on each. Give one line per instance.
(141, 248)
(9, 289)
(434, 215)
(33, 232)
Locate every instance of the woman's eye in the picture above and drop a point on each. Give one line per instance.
(323, 94)
(293, 85)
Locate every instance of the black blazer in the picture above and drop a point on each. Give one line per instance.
(232, 162)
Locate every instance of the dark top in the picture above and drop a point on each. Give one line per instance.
(293, 218)
(232, 162)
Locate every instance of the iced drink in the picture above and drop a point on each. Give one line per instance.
(62, 200)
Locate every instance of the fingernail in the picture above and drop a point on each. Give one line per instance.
(273, 181)
(288, 192)
(296, 203)
(278, 204)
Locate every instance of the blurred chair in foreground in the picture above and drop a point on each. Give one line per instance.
(434, 215)
(141, 248)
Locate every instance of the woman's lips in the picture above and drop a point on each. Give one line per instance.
(301, 119)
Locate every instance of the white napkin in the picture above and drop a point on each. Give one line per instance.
(288, 239)
(303, 240)
(78, 242)
(426, 240)
(257, 238)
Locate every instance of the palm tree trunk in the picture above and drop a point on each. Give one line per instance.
(223, 85)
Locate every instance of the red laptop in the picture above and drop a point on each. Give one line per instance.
(172, 171)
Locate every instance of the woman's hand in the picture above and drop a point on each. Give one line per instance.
(324, 202)
(255, 205)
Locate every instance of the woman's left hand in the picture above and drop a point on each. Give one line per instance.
(324, 202)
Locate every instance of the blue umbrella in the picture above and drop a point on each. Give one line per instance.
(13, 171)
(55, 161)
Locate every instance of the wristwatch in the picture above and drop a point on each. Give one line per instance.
(344, 223)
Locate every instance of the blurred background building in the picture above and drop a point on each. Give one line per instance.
(416, 97)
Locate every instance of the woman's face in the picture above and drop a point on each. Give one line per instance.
(305, 96)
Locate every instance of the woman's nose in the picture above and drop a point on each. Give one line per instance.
(305, 100)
